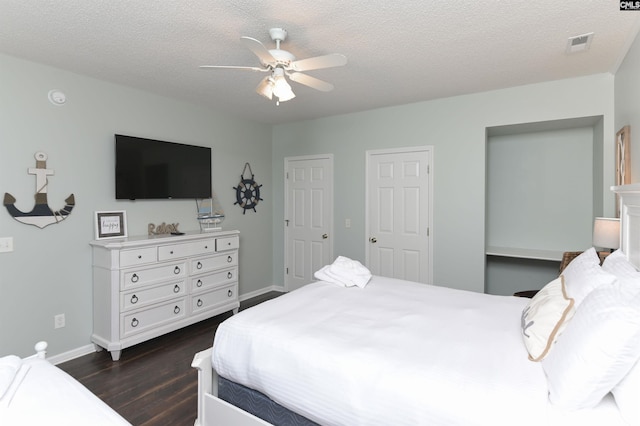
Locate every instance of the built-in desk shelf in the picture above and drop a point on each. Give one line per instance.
(521, 253)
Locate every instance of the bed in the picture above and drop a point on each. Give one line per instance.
(402, 353)
(35, 392)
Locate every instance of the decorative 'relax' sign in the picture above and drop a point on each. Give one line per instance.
(163, 228)
(41, 215)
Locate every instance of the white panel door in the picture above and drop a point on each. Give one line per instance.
(308, 218)
(399, 213)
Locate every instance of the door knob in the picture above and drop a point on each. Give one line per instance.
(373, 240)
(325, 236)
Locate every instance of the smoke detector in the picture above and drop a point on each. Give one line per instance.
(579, 43)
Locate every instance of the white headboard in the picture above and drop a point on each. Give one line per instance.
(629, 221)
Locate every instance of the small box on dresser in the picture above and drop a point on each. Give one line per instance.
(148, 286)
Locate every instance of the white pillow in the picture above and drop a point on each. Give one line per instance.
(584, 274)
(617, 264)
(626, 394)
(596, 350)
(544, 318)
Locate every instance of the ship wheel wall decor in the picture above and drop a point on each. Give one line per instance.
(247, 191)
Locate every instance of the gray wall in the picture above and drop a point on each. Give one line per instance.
(540, 195)
(529, 179)
(627, 103)
(456, 127)
(50, 270)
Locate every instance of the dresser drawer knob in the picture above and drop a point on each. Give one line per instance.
(176, 310)
(206, 247)
(199, 303)
(135, 278)
(171, 252)
(134, 322)
(229, 259)
(199, 283)
(176, 270)
(229, 275)
(139, 256)
(134, 299)
(176, 288)
(230, 293)
(199, 265)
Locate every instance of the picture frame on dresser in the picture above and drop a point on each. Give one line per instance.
(110, 224)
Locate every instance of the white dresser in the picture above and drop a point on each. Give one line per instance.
(148, 286)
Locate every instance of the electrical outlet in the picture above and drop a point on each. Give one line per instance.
(347, 223)
(58, 321)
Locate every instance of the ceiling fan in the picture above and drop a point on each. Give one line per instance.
(280, 63)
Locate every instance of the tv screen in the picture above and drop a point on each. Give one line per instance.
(152, 169)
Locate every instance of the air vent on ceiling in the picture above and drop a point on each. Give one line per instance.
(579, 43)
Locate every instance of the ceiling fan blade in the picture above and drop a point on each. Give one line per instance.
(319, 62)
(260, 51)
(234, 67)
(312, 82)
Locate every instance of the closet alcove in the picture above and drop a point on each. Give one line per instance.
(544, 186)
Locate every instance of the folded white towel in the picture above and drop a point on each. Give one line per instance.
(346, 272)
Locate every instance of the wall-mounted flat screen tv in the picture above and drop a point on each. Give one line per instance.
(153, 169)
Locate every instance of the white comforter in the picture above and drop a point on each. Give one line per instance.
(392, 353)
(42, 394)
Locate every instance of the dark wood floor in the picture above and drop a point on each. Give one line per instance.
(153, 383)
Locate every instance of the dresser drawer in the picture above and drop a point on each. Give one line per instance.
(227, 243)
(150, 295)
(144, 276)
(195, 248)
(199, 266)
(214, 279)
(212, 299)
(137, 322)
(138, 256)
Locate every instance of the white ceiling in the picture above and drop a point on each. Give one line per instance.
(398, 51)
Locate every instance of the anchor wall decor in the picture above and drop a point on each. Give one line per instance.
(41, 215)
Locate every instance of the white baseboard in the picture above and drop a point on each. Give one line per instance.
(260, 292)
(72, 354)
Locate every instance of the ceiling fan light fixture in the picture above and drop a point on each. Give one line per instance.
(284, 96)
(265, 88)
(281, 87)
(280, 63)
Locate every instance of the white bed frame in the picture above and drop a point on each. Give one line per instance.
(41, 350)
(45, 394)
(213, 411)
(629, 221)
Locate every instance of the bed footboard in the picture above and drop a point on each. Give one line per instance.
(207, 381)
(212, 410)
(41, 350)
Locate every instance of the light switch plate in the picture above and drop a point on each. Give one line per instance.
(6, 244)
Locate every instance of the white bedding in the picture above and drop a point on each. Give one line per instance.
(393, 353)
(42, 394)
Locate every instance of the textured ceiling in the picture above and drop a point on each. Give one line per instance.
(398, 51)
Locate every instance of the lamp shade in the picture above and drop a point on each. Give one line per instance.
(606, 232)
(281, 89)
(265, 88)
